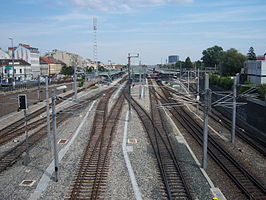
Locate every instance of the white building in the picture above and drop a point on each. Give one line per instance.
(22, 69)
(4, 55)
(256, 71)
(30, 55)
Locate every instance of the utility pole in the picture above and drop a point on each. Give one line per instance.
(206, 118)
(129, 86)
(198, 97)
(22, 100)
(144, 81)
(38, 92)
(234, 112)
(188, 81)
(27, 158)
(140, 81)
(54, 135)
(75, 81)
(74, 65)
(180, 71)
(48, 113)
(130, 80)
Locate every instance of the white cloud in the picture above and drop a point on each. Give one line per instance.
(70, 16)
(122, 5)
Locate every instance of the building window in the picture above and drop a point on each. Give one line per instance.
(15, 71)
(20, 71)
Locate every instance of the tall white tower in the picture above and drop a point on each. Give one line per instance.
(95, 40)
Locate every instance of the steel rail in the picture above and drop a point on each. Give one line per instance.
(254, 142)
(249, 185)
(164, 156)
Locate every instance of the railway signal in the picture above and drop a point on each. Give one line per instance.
(22, 102)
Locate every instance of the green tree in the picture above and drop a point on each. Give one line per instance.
(67, 70)
(198, 63)
(90, 69)
(251, 54)
(212, 56)
(232, 61)
(178, 64)
(188, 63)
(101, 69)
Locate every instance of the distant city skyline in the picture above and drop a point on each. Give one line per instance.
(153, 28)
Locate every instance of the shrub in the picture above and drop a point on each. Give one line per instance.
(81, 83)
(262, 91)
(93, 87)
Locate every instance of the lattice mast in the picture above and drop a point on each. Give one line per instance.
(95, 56)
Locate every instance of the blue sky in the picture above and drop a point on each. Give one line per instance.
(152, 28)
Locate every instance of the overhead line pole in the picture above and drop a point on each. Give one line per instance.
(75, 81)
(129, 86)
(234, 113)
(48, 113)
(56, 165)
(188, 80)
(206, 118)
(198, 97)
(130, 80)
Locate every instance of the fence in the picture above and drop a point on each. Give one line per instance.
(30, 84)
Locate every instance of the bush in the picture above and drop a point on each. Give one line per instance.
(214, 78)
(222, 81)
(81, 83)
(93, 87)
(262, 91)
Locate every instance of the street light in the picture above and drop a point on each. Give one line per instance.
(12, 45)
(54, 129)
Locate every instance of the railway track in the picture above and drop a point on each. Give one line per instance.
(8, 158)
(90, 179)
(175, 186)
(17, 128)
(248, 184)
(254, 142)
(11, 156)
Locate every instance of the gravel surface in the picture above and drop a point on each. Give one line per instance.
(41, 158)
(241, 151)
(219, 178)
(196, 181)
(142, 161)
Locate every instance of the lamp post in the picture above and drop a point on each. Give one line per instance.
(54, 130)
(12, 45)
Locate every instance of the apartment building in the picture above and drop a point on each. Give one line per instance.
(30, 55)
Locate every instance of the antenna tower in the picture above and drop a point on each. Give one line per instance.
(95, 40)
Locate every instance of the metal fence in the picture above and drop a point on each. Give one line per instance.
(30, 84)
